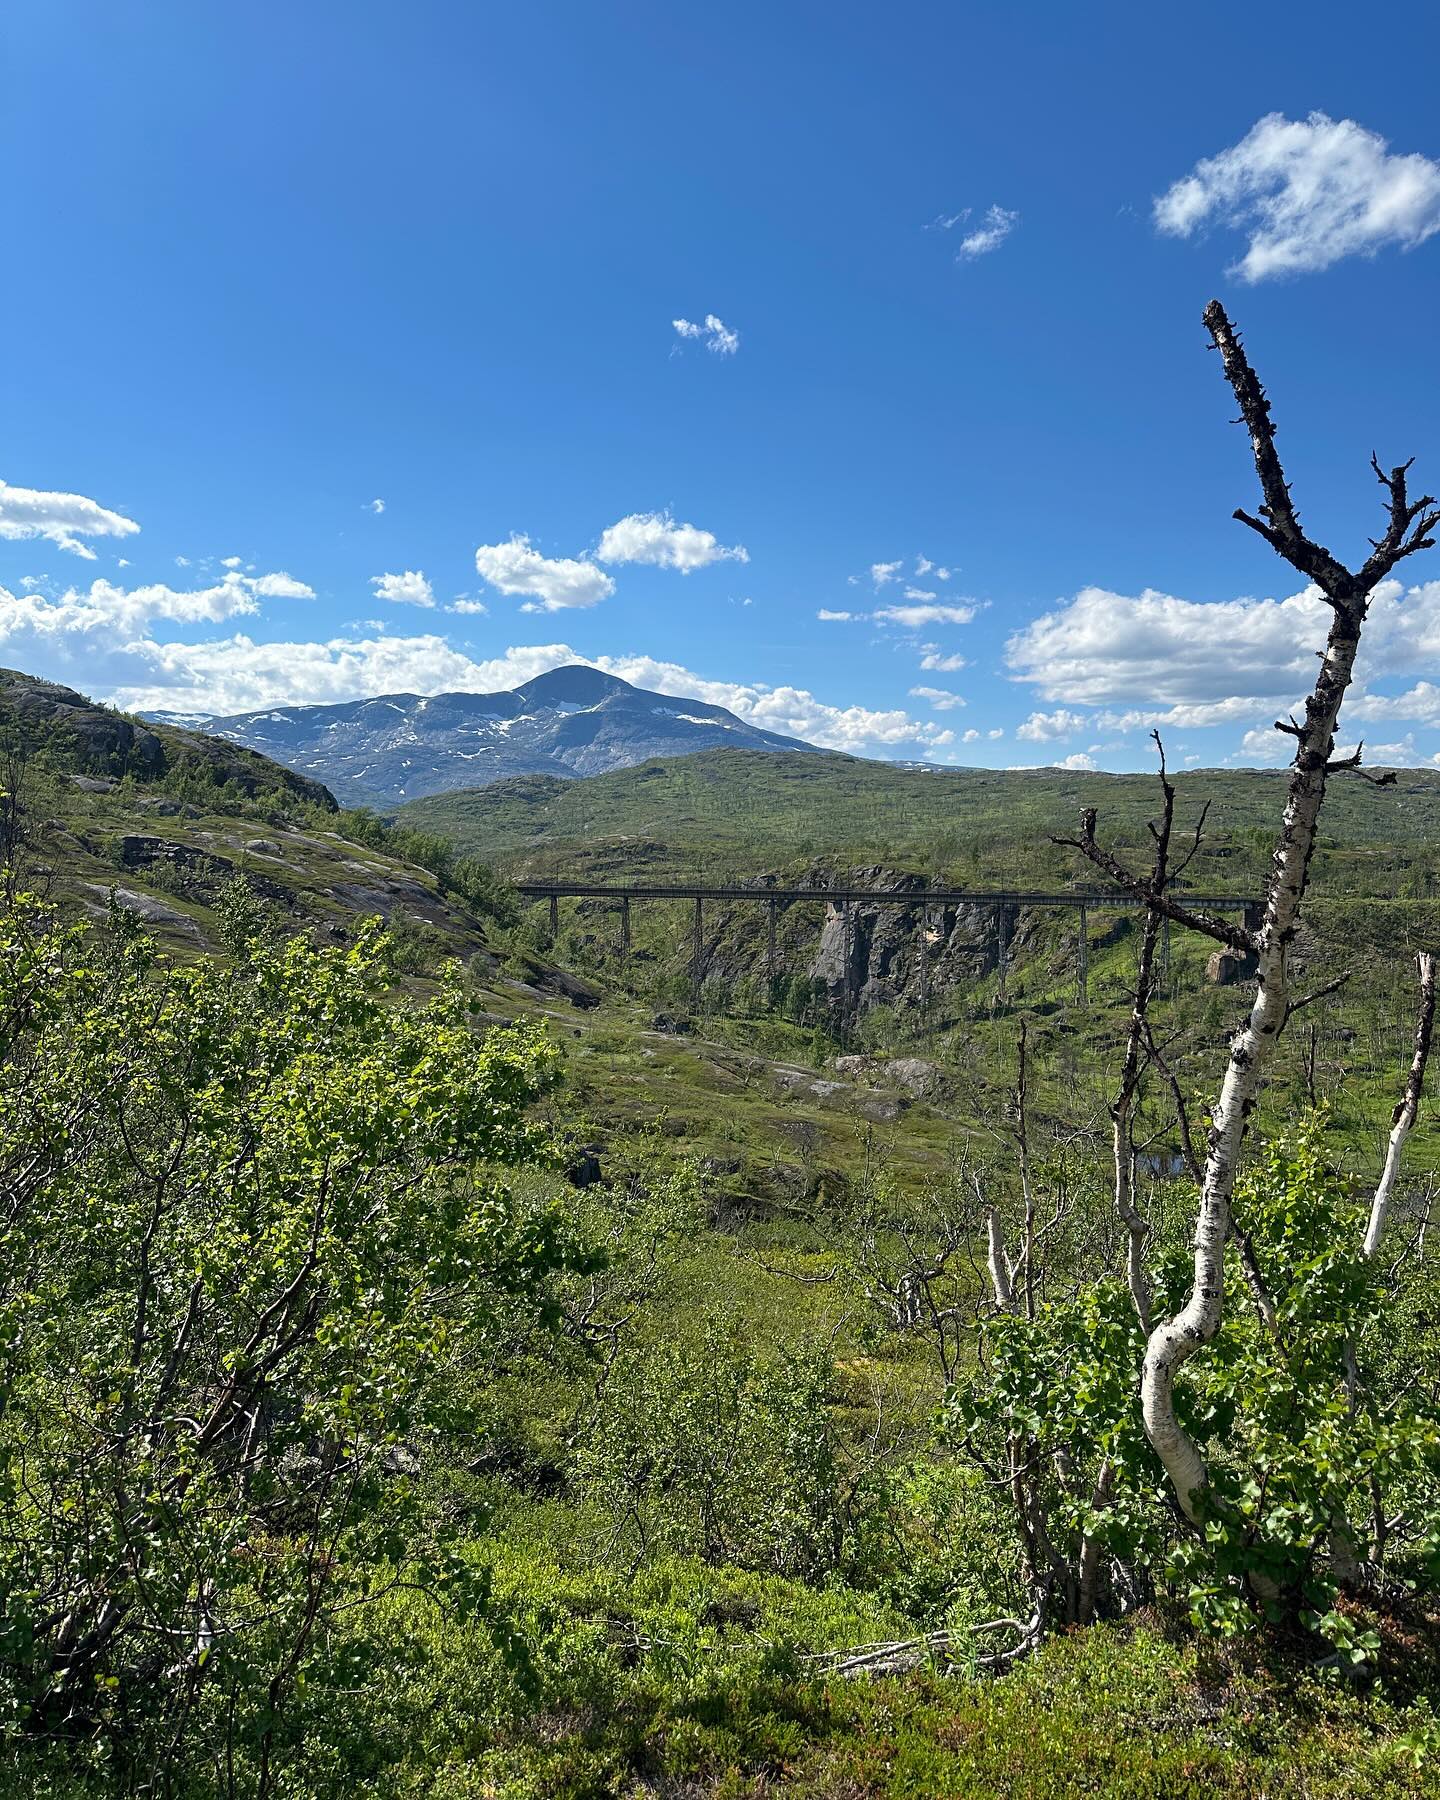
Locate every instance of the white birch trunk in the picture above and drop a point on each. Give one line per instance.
(1408, 1111)
(1174, 1341)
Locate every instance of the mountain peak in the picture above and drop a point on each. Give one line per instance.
(574, 720)
(574, 684)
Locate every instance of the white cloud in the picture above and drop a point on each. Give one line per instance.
(1204, 660)
(407, 589)
(833, 617)
(1043, 728)
(656, 538)
(883, 572)
(716, 334)
(1079, 759)
(232, 562)
(375, 506)
(940, 698)
(109, 614)
(972, 736)
(280, 586)
(113, 612)
(1308, 192)
(793, 711)
(937, 664)
(994, 228)
(915, 593)
(63, 519)
(552, 583)
(913, 617)
(461, 605)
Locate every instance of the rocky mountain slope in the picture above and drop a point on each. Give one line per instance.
(95, 742)
(569, 722)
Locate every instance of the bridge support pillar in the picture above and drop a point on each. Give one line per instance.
(625, 926)
(1083, 957)
(1002, 960)
(923, 967)
(697, 955)
(851, 985)
(554, 914)
(770, 956)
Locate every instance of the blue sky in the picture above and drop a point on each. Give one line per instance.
(273, 263)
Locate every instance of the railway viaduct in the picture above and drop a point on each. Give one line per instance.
(846, 900)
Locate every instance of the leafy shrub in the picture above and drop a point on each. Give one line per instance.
(252, 1229)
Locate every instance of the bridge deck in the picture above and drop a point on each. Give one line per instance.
(903, 897)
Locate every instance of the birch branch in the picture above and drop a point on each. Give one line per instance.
(1402, 1121)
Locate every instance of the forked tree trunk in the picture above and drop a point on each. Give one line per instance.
(1174, 1341)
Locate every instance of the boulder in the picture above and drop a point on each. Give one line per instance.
(1226, 968)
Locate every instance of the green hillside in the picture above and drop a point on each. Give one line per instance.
(686, 1448)
(736, 811)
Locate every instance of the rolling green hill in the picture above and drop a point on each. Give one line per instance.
(735, 811)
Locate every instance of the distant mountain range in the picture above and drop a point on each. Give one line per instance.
(572, 721)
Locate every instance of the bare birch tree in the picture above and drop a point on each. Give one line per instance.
(1175, 1340)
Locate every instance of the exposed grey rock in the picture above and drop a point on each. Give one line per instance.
(917, 1077)
(1226, 968)
(153, 911)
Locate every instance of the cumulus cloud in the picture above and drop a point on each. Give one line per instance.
(63, 519)
(115, 612)
(914, 617)
(1104, 648)
(937, 664)
(407, 589)
(1189, 662)
(940, 698)
(1042, 728)
(915, 593)
(461, 605)
(375, 506)
(1308, 192)
(280, 586)
(552, 583)
(883, 572)
(994, 228)
(656, 538)
(1078, 759)
(712, 331)
(793, 711)
(833, 617)
(1152, 661)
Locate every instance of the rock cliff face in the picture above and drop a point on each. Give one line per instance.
(869, 955)
(872, 955)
